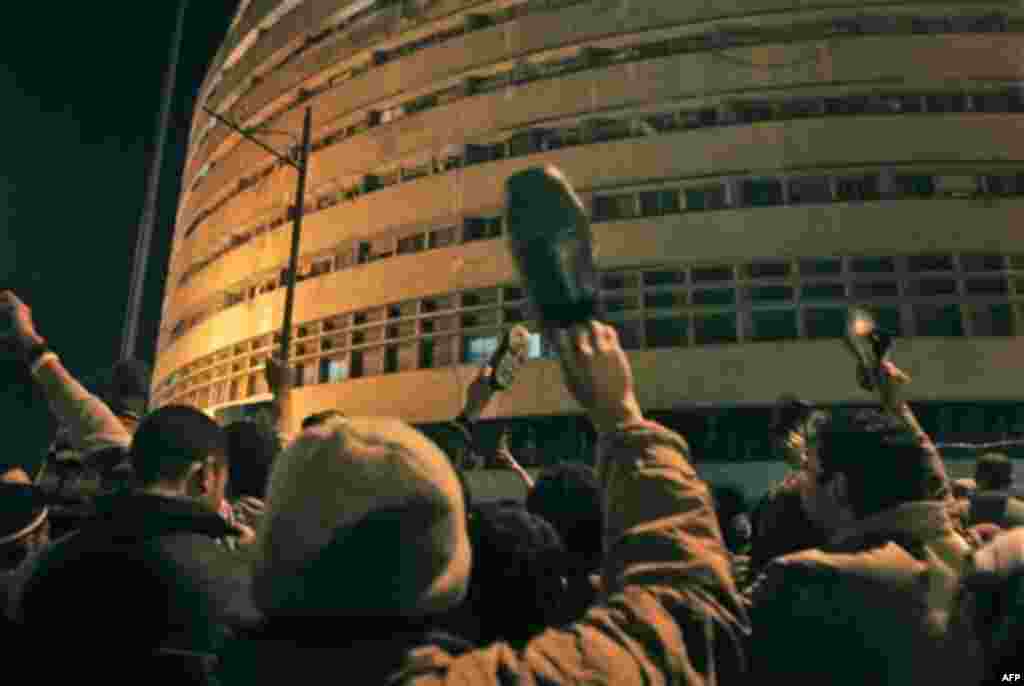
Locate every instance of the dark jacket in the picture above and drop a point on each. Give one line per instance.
(781, 526)
(669, 611)
(150, 565)
(882, 603)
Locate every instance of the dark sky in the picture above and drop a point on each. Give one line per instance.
(80, 87)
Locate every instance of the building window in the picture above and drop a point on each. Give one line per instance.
(821, 267)
(714, 296)
(930, 263)
(981, 263)
(809, 190)
(769, 293)
(872, 265)
(823, 291)
(440, 238)
(938, 320)
(930, 288)
(992, 320)
(857, 188)
(913, 185)
(711, 329)
(709, 198)
(824, 323)
(996, 285)
(667, 332)
(762, 192)
(876, 289)
(479, 298)
(664, 300)
(478, 349)
(612, 207)
(657, 203)
(888, 319)
(664, 278)
(513, 293)
(711, 274)
(618, 282)
(795, 109)
(481, 229)
(766, 270)
(411, 244)
(773, 325)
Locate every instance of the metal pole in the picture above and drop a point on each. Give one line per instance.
(293, 258)
(148, 218)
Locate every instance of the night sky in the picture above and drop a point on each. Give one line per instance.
(80, 87)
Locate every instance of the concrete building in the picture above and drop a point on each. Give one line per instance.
(752, 168)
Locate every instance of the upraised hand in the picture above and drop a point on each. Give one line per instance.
(598, 374)
(16, 325)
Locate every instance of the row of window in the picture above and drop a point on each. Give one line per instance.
(888, 184)
(350, 24)
(727, 194)
(589, 57)
(537, 140)
(969, 294)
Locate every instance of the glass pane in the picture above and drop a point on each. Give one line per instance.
(770, 293)
(709, 274)
(664, 300)
(715, 296)
(762, 192)
(854, 188)
(705, 198)
(876, 289)
(630, 334)
(714, 328)
(664, 278)
(981, 263)
(929, 263)
(992, 320)
(991, 286)
(773, 325)
(766, 270)
(932, 287)
(872, 265)
(938, 320)
(667, 332)
(915, 185)
(478, 349)
(823, 291)
(821, 267)
(825, 323)
(888, 319)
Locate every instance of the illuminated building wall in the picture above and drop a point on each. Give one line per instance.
(751, 168)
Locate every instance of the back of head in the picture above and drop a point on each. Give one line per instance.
(252, 448)
(169, 440)
(569, 497)
(993, 472)
(364, 517)
(884, 464)
(517, 573)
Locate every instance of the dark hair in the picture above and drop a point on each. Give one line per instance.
(884, 463)
(251, 448)
(569, 497)
(516, 580)
(171, 439)
(995, 470)
(318, 418)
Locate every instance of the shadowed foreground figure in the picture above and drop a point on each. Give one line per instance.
(365, 546)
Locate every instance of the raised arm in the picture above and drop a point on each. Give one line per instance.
(91, 425)
(505, 457)
(670, 611)
(280, 383)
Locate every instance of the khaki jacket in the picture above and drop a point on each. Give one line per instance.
(669, 612)
(881, 604)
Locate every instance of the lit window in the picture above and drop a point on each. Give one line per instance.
(478, 349)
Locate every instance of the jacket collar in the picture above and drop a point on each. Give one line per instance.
(133, 513)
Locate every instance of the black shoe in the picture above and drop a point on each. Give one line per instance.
(550, 239)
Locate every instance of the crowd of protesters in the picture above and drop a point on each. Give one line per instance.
(161, 547)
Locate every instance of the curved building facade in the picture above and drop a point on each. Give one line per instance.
(751, 167)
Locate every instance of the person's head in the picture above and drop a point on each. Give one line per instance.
(318, 418)
(517, 587)
(733, 515)
(252, 448)
(569, 497)
(181, 451)
(993, 472)
(365, 517)
(864, 463)
(24, 520)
